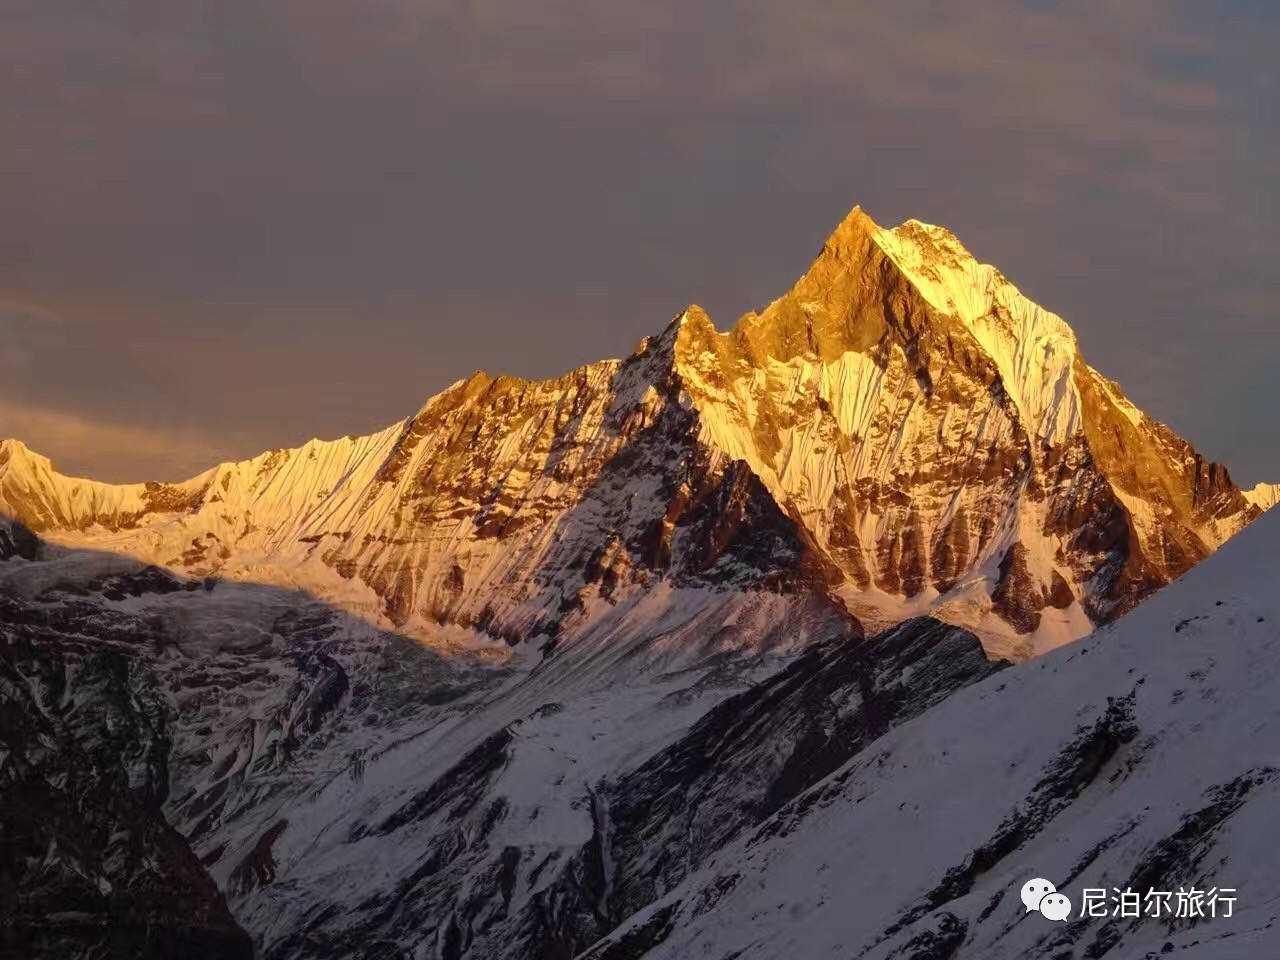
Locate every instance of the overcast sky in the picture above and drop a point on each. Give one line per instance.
(232, 226)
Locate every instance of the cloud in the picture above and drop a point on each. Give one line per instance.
(313, 213)
(109, 451)
(25, 332)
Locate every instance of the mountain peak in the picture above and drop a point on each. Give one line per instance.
(902, 426)
(850, 236)
(692, 317)
(857, 223)
(911, 285)
(689, 335)
(1034, 349)
(14, 452)
(12, 447)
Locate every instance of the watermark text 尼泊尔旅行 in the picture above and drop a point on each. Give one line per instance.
(1041, 896)
(1181, 903)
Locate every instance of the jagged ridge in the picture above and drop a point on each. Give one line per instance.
(903, 429)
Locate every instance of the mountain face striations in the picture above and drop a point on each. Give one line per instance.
(902, 431)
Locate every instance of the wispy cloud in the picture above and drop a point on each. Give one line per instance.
(25, 332)
(81, 445)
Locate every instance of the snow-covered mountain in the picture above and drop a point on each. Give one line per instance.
(903, 430)
(354, 794)
(1143, 758)
(561, 669)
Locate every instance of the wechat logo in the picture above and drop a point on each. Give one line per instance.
(1042, 896)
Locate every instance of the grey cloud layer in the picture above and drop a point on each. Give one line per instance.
(274, 219)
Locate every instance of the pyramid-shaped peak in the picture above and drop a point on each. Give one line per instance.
(852, 232)
(911, 281)
(691, 322)
(910, 244)
(916, 238)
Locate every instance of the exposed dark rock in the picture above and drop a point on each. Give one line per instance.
(88, 863)
(749, 757)
(1071, 772)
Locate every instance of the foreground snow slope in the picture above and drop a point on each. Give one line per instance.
(344, 785)
(1146, 756)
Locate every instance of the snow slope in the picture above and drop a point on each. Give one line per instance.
(1147, 756)
(1034, 349)
(1264, 495)
(345, 785)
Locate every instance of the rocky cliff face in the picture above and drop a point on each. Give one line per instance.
(521, 509)
(947, 448)
(89, 865)
(903, 430)
(354, 793)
